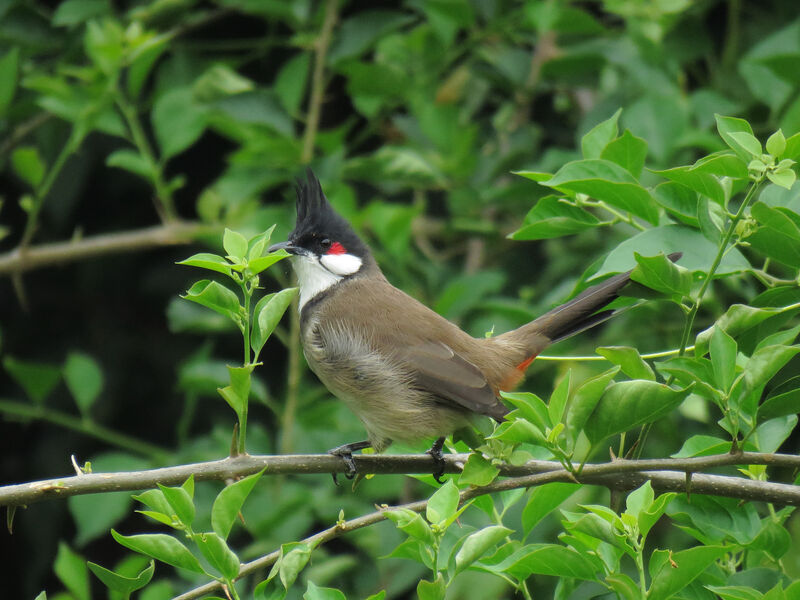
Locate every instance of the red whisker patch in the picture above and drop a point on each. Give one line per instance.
(336, 248)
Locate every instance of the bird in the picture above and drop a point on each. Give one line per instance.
(405, 371)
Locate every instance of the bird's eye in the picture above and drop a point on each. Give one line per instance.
(325, 244)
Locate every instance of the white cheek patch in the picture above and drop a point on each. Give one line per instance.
(341, 264)
(312, 277)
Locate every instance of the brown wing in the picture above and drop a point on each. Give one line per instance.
(441, 371)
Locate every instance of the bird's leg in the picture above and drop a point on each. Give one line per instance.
(346, 454)
(436, 453)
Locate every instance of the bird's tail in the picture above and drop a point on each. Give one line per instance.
(579, 314)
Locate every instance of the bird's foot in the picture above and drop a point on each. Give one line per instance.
(345, 452)
(438, 457)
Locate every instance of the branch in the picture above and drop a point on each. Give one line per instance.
(19, 260)
(318, 80)
(604, 475)
(662, 472)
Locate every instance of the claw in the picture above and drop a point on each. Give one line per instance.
(436, 454)
(346, 454)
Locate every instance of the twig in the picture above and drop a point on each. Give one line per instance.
(85, 426)
(662, 481)
(35, 257)
(318, 80)
(303, 464)
(322, 44)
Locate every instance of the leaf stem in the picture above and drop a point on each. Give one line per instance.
(163, 197)
(85, 426)
(723, 245)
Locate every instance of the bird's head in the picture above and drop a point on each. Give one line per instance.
(323, 245)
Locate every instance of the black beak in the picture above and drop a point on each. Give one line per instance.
(288, 246)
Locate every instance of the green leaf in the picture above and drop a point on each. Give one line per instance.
(294, 558)
(9, 64)
(593, 143)
(267, 315)
(585, 400)
(748, 142)
(661, 274)
(237, 394)
(478, 543)
(723, 358)
(723, 163)
(766, 362)
(264, 262)
(679, 201)
(229, 502)
(431, 590)
(738, 319)
(71, 570)
(726, 126)
(639, 500)
(628, 404)
(784, 177)
(651, 514)
(132, 161)
(735, 592)
(519, 431)
(161, 547)
(545, 559)
(120, 583)
(543, 500)
(558, 400)
(773, 539)
(792, 147)
(698, 252)
(84, 379)
(319, 593)
(180, 502)
(628, 151)
(776, 143)
(103, 43)
(784, 402)
(554, 217)
(212, 262)
(216, 297)
(703, 445)
(443, 504)
(77, 12)
(218, 82)
(690, 564)
(703, 183)
(530, 407)
(218, 554)
(28, 165)
(37, 379)
(625, 587)
(177, 121)
(778, 237)
(606, 181)
(411, 523)
(478, 471)
(629, 360)
(359, 32)
(291, 81)
(235, 244)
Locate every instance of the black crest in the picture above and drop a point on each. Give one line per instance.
(317, 219)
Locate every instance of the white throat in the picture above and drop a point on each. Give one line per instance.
(317, 274)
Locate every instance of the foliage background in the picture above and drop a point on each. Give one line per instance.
(428, 105)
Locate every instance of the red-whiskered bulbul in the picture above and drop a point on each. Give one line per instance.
(405, 371)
